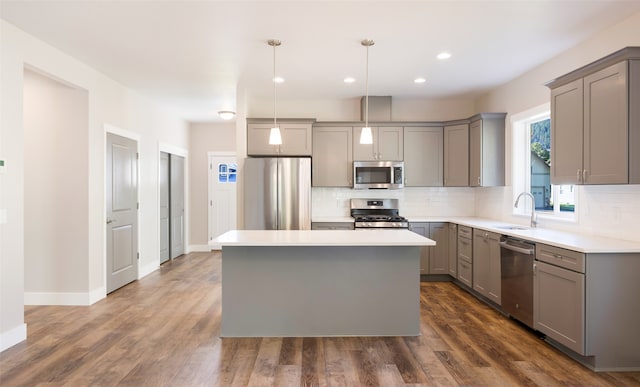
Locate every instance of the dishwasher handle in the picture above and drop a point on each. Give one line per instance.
(517, 249)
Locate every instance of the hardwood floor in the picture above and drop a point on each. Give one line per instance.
(163, 331)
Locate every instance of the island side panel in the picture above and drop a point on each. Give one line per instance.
(287, 291)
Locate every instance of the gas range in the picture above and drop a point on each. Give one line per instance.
(377, 213)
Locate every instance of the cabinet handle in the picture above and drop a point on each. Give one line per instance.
(478, 180)
(584, 175)
(535, 269)
(578, 175)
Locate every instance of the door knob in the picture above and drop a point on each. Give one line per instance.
(109, 220)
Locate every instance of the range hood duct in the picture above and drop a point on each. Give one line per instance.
(379, 108)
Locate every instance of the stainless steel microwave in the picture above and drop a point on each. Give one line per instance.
(378, 174)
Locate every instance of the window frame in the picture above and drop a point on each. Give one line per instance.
(521, 165)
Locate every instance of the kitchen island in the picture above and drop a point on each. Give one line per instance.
(320, 283)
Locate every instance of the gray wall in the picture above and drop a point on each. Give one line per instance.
(204, 138)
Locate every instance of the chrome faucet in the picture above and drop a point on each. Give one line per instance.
(534, 218)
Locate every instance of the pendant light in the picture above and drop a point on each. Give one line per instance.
(274, 135)
(366, 137)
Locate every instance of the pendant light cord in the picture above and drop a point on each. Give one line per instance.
(366, 91)
(275, 122)
(367, 43)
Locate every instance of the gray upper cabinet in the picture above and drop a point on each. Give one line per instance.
(566, 133)
(332, 159)
(606, 127)
(456, 155)
(486, 150)
(423, 156)
(595, 134)
(296, 139)
(387, 144)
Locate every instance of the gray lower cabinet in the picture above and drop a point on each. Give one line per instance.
(296, 138)
(423, 156)
(559, 295)
(453, 250)
(588, 303)
(486, 264)
(456, 155)
(558, 309)
(465, 255)
(439, 255)
(332, 226)
(433, 259)
(486, 150)
(422, 229)
(332, 158)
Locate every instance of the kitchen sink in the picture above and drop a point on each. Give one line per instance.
(513, 227)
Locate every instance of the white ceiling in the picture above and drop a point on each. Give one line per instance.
(193, 55)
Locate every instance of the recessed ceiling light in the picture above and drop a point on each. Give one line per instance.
(443, 55)
(278, 79)
(419, 80)
(349, 80)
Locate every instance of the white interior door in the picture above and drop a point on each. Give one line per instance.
(223, 175)
(164, 207)
(176, 204)
(122, 211)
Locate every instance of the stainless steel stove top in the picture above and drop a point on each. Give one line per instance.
(377, 213)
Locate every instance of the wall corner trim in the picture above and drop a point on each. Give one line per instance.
(13, 336)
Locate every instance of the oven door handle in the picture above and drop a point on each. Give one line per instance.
(509, 246)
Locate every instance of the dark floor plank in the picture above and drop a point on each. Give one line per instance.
(164, 329)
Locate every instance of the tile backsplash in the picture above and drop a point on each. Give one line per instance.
(414, 201)
(609, 211)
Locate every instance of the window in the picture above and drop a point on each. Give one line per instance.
(227, 173)
(531, 165)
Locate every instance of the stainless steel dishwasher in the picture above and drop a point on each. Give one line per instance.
(516, 274)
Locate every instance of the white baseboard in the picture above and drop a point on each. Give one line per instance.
(68, 299)
(97, 295)
(145, 270)
(13, 336)
(200, 248)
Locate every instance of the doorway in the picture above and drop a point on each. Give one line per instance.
(223, 175)
(172, 205)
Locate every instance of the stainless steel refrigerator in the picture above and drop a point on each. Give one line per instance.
(277, 193)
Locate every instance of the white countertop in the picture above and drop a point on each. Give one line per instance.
(321, 238)
(572, 241)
